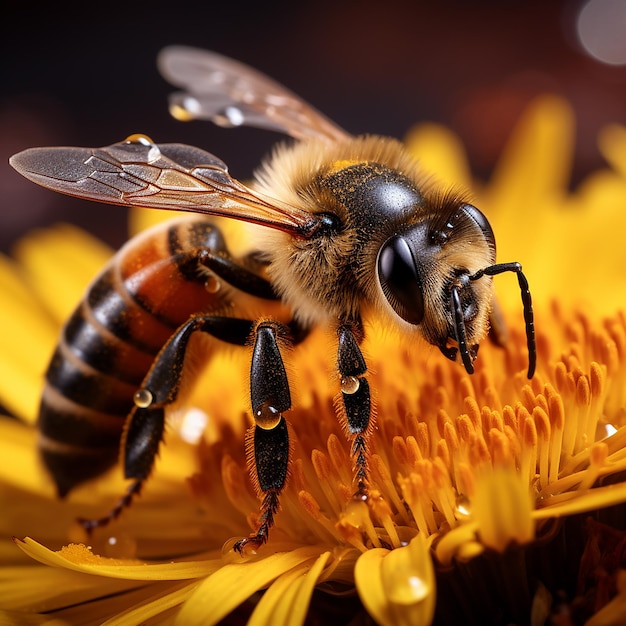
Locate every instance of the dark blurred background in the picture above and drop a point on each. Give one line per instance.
(87, 76)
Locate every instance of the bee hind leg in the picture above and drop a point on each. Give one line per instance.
(145, 424)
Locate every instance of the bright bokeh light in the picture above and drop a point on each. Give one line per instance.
(192, 425)
(601, 30)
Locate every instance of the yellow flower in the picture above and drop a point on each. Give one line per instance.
(478, 482)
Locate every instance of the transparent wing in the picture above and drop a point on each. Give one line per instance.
(230, 93)
(137, 172)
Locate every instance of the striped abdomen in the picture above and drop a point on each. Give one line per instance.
(151, 286)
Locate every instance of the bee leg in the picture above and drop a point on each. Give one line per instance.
(269, 440)
(146, 422)
(236, 275)
(144, 431)
(356, 399)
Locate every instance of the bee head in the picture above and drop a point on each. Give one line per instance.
(425, 246)
(435, 274)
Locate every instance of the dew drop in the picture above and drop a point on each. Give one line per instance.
(462, 509)
(140, 139)
(192, 105)
(350, 384)
(212, 284)
(408, 590)
(407, 574)
(180, 112)
(230, 555)
(235, 115)
(138, 143)
(356, 511)
(267, 416)
(143, 398)
(229, 117)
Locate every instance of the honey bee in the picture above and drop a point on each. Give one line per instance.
(351, 231)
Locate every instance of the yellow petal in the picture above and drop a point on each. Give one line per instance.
(60, 262)
(43, 589)
(287, 600)
(153, 607)
(13, 284)
(140, 219)
(441, 153)
(596, 214)
(459, 539)
(81, 559)
(98, 611)
(397, 587)
(234, 583)
(612, 143)
(576, 502)
(20, 466)
(502, 509)
(536, 163)
(27, 337)
(525, 201)
(20, 387)
(17, 618)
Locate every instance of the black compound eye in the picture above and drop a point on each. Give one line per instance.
(400, 279)
(482, 222)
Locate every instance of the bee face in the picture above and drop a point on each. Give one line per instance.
(421, 266)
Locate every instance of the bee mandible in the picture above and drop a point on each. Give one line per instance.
(351, 230)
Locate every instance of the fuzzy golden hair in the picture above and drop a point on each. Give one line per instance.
(311, 276)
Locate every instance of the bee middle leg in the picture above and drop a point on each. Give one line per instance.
(355, 399)
(269, 440)
(145, 424)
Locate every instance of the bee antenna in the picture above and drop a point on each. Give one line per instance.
(529, 316)
(459, 330)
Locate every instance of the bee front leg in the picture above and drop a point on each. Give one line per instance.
(146, 422)
(355, 399)
(269, 440)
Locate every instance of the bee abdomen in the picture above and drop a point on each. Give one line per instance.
(105, 350)
(108, 345)
(89, 389)
(89, 444)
